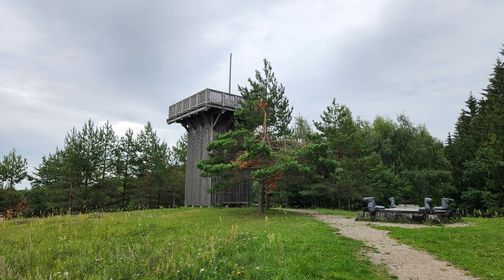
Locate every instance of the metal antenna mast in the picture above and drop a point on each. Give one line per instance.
(229, 90)
(230, 62)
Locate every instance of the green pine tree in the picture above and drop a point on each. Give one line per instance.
(12, 170)
(126, 166)
(253, 150)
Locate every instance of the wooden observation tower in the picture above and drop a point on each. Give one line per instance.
(204, 115)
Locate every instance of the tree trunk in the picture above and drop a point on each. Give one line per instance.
(104, 170)
(70, 197)
(86, 194)
(124, 194)
(146, 191)
(151, 205)
(267, 200)
(261, 198)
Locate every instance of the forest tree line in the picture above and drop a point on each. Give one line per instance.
(97, 170)
(476, 148)
(333, 162)
(344, 158)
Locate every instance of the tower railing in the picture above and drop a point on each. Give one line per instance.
(207, 97)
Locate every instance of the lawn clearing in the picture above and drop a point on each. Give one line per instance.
(188, 243)
(478, 249)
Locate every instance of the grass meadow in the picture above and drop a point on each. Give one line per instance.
(186, 243)
(478, 248)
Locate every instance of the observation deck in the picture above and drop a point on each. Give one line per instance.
(202, 101)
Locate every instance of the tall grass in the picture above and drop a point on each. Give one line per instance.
(197, 243)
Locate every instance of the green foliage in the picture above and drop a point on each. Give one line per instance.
(126, 166)
(334, 166)
(12, 170)
(477, 248)
(265, 88)
(350, 158)
(152, 165)
(476, 150)
(254, 149)
(98, 170)
(178, 153)
(179, 244)
(340, 131)
(302, 131)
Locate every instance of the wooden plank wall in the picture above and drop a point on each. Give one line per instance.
(201, 131)
(237, 195)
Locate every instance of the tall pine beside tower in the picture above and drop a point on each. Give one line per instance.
(253, 149)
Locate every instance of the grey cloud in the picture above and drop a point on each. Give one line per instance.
(422, 58)
(64, 62)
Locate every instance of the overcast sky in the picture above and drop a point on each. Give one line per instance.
(63, 62)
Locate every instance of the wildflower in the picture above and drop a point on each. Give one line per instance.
(201, 270)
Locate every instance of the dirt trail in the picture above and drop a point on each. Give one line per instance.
(416, 225)
(401, 260)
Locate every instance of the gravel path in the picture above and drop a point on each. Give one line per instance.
(414, 225)
(401, 260)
